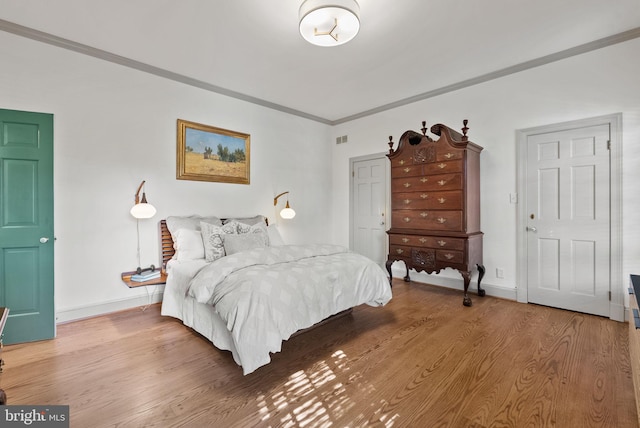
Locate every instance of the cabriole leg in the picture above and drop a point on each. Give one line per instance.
(388, 265)
(480, 276)
(466, 276)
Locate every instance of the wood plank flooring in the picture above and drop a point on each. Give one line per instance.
(423, 360)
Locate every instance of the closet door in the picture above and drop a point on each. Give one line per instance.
(568, 225)
(369, 200)
(26, 225)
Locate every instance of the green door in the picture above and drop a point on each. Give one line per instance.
(26, 225)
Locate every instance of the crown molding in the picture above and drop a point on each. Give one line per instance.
(50, 39)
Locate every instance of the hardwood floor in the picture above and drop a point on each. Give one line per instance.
(424, 360)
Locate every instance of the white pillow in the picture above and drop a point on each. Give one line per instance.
(175, 224)
(248, 241)
(188, 244)
(259, 219)
(274, 236)
(213, 239)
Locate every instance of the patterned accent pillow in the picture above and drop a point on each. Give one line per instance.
(255, 229)
(213, 239)
(248, 241)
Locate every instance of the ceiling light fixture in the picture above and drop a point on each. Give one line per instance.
(329, 22)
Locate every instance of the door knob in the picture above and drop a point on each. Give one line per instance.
(532, 229)
(44, 240)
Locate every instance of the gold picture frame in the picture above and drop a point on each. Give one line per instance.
(207, 153)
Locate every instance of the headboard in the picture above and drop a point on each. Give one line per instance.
(166, 242)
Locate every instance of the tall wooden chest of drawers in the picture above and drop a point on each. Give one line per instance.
(435, 204)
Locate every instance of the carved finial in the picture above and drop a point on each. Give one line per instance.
(464, 130)
(424, 127)
(390, 144)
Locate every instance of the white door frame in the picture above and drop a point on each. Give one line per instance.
(617, 287)
(387, 191)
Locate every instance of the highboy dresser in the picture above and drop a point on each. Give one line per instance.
(435, 204)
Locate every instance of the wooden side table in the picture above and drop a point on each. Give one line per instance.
(126, 278)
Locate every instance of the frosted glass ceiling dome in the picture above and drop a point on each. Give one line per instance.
(329, 22)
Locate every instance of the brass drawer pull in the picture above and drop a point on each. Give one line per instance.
(407, 185)
(407, 201)
(442, 220)
(422, 240)
(407, 219)
(442, 243)
(399, 250)
(442, 182)
(424, 179)
(442, 165)
(424, 214)
(448, 155)
(442, 200)
(405, 240)
(424, 196)
(401, 162)
(407, 169)
(449, 256)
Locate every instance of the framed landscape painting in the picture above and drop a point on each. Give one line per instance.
(207, 153)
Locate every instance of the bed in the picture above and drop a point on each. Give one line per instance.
(235, 282)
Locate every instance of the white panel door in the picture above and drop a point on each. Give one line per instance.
(568, 224)
(369, 206)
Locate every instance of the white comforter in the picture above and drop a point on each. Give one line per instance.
(266, 295)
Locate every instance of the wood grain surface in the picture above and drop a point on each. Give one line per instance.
(424, 360)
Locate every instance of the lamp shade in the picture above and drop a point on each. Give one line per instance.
(287, 212)
(329, 22)
(143, 210)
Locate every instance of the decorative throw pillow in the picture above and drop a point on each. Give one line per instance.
(251, 228)
(258, 228)
(236, 243)
(213, 239)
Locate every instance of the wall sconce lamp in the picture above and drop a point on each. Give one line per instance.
(142, 209)
(287, 212)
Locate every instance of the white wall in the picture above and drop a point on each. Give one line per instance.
(598, 83)
(113, 128)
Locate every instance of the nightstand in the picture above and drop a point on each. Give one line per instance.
(126, 278)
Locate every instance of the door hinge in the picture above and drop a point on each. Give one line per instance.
(353, 173)
(609, 145)
(609, 295)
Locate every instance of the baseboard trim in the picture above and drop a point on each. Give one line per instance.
(458, 284)
(83, 312)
